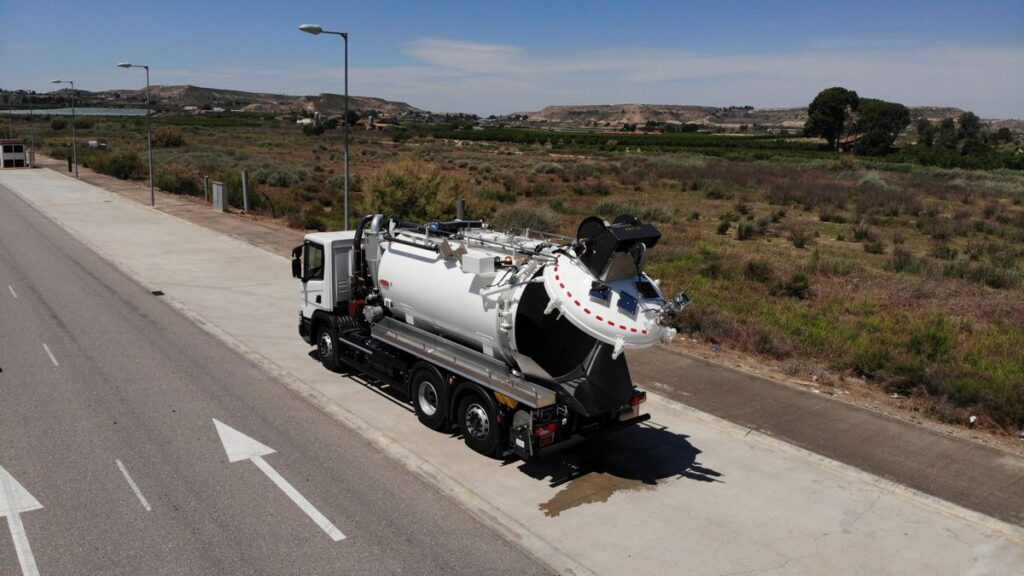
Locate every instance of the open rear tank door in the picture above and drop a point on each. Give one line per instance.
(588, 308)
(603, 290)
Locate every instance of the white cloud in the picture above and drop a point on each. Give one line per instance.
(456, 75)
(484, 78)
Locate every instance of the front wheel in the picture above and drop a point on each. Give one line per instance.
(479, 425)
(327, 347)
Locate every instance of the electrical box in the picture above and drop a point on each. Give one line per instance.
(479, 264)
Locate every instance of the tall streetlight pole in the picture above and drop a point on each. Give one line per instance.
(315, 29)
(149, 124)
(74, 139)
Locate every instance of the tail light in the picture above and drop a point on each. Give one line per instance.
(546, 433)
(639, 397)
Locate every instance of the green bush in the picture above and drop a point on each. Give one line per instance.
(178, 180)
(874, 247)
(414, 191)
(798, 286)
(58, 124)
(903, 261)
(524, 217)
(168, 137)
(758, 271)
(124, 165)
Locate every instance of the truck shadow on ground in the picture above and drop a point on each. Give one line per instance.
(636, 459)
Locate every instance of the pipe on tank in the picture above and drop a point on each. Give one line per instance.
(357, 246)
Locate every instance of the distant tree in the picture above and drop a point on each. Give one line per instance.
(1004, 135)
(829, 113)
(880, 122)
(312, 129)
(946, 136)
(969, 126)
(352, 117)
(925, 132)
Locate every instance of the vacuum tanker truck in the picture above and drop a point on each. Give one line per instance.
(513, 338)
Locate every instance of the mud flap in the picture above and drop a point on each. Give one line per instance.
(521, 434)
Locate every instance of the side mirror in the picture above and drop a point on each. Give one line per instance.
(297, 262)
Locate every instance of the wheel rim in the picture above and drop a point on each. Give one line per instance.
(427, 397)
(478, 425)
(325, 346)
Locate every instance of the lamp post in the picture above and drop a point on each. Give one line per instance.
(315, 29)
(74, 139)
(149, 125)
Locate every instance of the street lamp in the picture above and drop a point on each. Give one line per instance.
(74, 140)
(149, 123)
(315, 29)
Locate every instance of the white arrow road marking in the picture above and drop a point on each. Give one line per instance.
(238, 446)
(11, 288)
(14, 500)
(134, 486)
(50, 354)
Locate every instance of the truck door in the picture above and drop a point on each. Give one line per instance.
(313, 266)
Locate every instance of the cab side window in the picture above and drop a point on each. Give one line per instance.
(314, 261)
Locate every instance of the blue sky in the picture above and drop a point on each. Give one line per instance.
(500, 57)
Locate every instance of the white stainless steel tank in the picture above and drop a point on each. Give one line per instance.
(541, 310)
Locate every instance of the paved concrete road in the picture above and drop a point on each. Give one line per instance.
(102, 382)
(688, 493)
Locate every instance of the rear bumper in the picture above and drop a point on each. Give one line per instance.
(597, 433)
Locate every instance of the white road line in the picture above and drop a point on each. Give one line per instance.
(14, 501)
(11, 288)
(238, 446)
(299, 499)
(135, 487)
(50, 354)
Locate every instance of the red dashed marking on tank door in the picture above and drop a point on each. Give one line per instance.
(561, 286)
(632, 330)
(600, 319)
(576, 302)
(610, 323)
(569, 294)
(587, 310)
(557, 277)
(621, 327)
(643, 331)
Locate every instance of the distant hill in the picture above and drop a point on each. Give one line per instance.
(730, 117)
(188, 95)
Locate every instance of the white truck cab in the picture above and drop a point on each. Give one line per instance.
(324, 264)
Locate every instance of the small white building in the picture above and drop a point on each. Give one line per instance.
(14, 154)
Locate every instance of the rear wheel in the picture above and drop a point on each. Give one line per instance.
(327, 346)
(429, 398)
(478, 424)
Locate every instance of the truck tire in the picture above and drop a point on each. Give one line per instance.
(327, 346)
(429, 398)
(478, 424)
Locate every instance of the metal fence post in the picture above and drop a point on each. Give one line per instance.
(245, 191)
(460, 209)
(206, 188)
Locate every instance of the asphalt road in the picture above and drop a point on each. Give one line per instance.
(102, 382)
